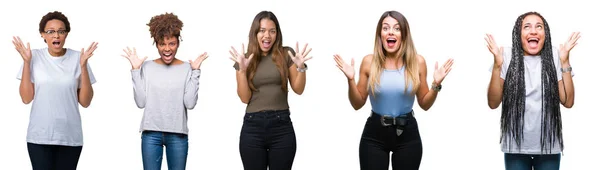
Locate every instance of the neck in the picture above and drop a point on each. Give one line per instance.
(57, 54)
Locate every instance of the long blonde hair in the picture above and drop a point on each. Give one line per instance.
(407, 52)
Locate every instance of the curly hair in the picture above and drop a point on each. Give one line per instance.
(513, 98)
(54, 15)
(165, 25)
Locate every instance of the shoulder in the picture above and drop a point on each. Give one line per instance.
(421, 60)
(366, 61)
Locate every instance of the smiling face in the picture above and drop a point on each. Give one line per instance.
(55, 35)
(266, 36)
(167, 48)
(533, 35)
(390, 35)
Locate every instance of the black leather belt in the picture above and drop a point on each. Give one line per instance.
(399, 122)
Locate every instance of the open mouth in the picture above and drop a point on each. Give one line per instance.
(167, 55)
(391, 42)
(56, 43)
(266, 44)
(533, 42)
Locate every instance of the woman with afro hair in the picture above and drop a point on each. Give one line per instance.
(267, 137)
(57, 80)
(531, 80)
(165, 88)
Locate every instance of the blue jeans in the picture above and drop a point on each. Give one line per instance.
(526, 162)
(176, 145)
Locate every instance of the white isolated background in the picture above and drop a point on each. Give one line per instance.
(458, 132)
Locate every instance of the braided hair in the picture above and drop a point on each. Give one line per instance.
(513, 98)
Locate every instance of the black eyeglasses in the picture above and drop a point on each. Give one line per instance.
(60, 32)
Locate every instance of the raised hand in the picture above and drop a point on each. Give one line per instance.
(494, 49)
(300, 56)
(240, 59)
(344, 67)
(136, 62)
(24, 51)
(565, 48)
(85, 55)
(440, 73)
(198, 61)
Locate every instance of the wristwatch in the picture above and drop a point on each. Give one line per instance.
(302, 70)
(564, 70)
(436, 88)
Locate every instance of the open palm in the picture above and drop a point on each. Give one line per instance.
(198, 61)
(494, 49)
(240, 59)
(86, 54)
(300, 56)
(565, 48)
(24, 51)
(344, 67)
(440, 73)
(131, 55)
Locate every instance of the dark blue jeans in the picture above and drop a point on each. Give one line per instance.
(268, 140)
(526, 162)
(176, 145)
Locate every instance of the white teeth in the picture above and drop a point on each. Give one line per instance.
(533, 39)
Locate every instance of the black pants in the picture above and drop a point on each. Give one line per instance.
(268, 140)
(53, 157)
(378, 141)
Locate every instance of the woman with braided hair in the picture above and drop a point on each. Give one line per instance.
(531, 80)
(166, 88)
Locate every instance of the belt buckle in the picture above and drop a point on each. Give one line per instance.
(386, 124)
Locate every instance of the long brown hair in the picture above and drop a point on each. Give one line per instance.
(278, 52)
(407, 52)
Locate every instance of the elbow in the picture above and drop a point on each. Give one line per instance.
(425, 108)
(245, 101)
(190, 106)
(298, 91)
(568, 105)
(26, 101)
(140, 105)
(85, 105)
(493, 105)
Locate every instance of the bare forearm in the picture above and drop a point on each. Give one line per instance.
(86, 92)
(566, 88)
(356, 99)
(428, 99)
(495, 88)
(26, 89)
(300, 82)
(243, 90)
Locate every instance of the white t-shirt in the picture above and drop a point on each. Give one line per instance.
(533, 103)
(54, 117)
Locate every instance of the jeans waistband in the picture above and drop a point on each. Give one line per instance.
(269, 113)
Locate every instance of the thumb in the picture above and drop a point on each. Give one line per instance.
(436, 65)
(352, 62)
(190, 61)
(145, 58)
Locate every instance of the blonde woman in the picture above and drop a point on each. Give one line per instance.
(392, 76)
